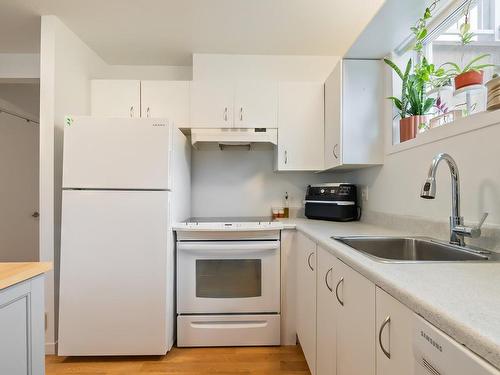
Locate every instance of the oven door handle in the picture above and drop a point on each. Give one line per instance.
(228, 247)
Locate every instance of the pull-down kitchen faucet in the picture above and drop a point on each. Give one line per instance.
(457, 228)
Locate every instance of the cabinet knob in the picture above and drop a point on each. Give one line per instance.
(386, 322)
(335, 152)
(309, 261)
(35, 214)
(341, 281)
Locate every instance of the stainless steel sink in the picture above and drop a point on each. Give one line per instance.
(415, 249)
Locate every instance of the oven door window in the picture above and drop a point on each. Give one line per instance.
(228, 278)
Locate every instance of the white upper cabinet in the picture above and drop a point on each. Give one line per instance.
(356, 323)
(394, 336)
(353, 114)
(256, 105)
(326, 331)
(115, 98)
(166, 99)
(212, 104)
(306, 298)
(300, 127)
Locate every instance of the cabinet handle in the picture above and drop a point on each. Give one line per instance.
(309, 261)
(132, 111)
(387, 321)
(334, 153)
(147, 112)
(341, 281)
(326, 279)
(241, 113)
(225, 114)
(286, 157)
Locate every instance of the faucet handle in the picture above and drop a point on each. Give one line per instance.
(472, 232)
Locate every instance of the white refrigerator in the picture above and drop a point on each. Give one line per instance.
(125, 181)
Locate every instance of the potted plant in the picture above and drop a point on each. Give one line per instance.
(471, 74)
(414, 104)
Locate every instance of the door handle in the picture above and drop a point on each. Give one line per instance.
(386, 322)
(35, 214)
(309, 261)
(326, 279)
(341, 281)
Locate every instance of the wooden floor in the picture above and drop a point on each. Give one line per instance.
(285, 360)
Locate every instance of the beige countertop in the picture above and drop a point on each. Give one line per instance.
(13, 273)
(462, 299)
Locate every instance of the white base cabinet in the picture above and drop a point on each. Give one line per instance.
(326, 321)
(355, 324)
(22, 340)
(394, 336)
(306, 298)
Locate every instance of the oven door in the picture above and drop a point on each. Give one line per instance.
(217, 277)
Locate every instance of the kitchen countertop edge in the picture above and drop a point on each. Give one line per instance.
(12, 273)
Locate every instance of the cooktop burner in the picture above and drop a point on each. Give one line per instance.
(242, 219)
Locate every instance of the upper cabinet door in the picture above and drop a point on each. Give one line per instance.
(115, 98)
(166, 99)
(212, 104)
(333, 115)
(256, 105)
(300, 126)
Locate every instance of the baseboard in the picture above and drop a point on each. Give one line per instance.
(50, 348)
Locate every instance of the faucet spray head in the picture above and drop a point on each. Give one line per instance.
(429, 188)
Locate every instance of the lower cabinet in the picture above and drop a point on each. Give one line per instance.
(326, 325)
(22, 328)
(306, 298)
(355, 323)
(394, 336)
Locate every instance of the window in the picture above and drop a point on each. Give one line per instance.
(443, 45)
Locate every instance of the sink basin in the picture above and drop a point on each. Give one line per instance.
(414, 249)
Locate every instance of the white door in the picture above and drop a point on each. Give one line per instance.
(115, 98)
(212, 104)
(306, 298)
(394, 336)
(356, 323)
(301, 126)
(116, 153)
(18, 189)
(256, 105)
(333, 118)
(228, 276)
(113, 273)
(166, 99)
(326, 340)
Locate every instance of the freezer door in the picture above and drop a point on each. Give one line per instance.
(113, 288)
(112, 153)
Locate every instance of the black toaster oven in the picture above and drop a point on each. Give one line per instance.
(334, 201)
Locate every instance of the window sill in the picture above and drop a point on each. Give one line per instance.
(463, 125)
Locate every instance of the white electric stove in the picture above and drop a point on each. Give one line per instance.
(228, 282)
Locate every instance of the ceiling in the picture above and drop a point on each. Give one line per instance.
(168, 32)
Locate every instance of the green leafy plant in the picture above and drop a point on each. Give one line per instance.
(420, 29)
(414, 100)
(455, 69)
(466, 35)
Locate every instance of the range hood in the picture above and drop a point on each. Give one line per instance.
(234, 136)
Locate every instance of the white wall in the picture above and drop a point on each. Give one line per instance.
(237, 182)
(147, 72)
(394, 188)
(24, 96)
(67, 65)
(262, 67)
(19, 65)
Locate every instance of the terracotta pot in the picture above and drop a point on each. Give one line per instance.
(469, 79)
(408, 127)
